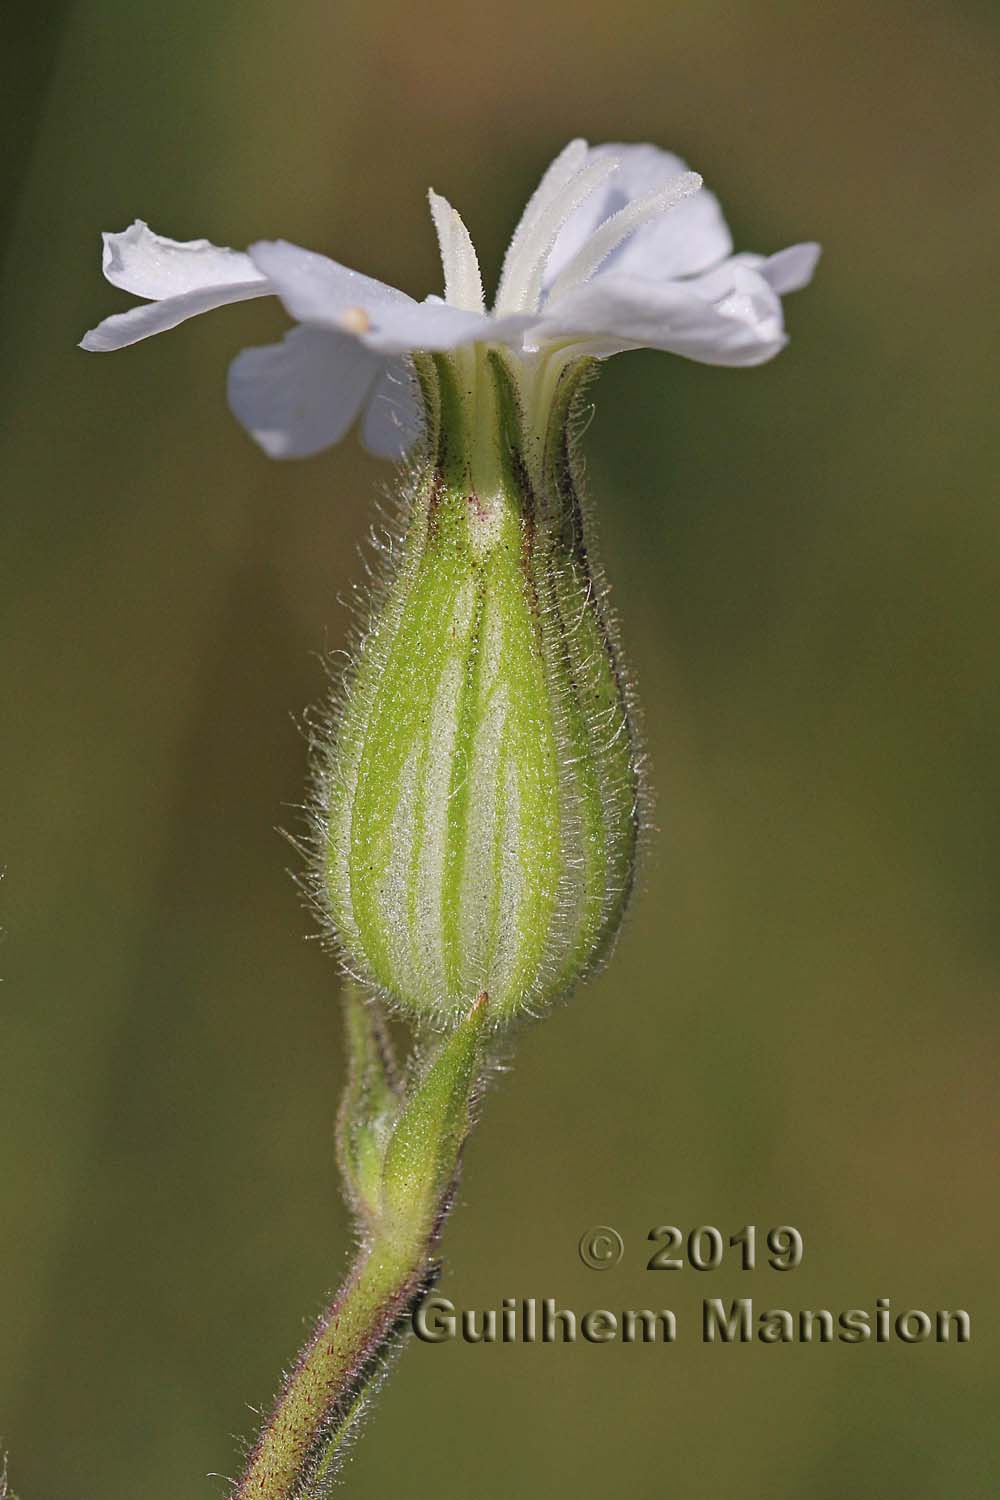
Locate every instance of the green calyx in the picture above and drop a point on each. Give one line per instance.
(477, 808)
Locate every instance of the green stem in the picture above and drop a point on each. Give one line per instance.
(329, 1465)
(300, 1444)
(400, 1152)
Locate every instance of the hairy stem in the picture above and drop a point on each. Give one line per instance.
(298, 1450)
(400, 1150)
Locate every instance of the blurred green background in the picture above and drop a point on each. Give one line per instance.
(800, 1025)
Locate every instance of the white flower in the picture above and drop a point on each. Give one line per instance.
(620, 247)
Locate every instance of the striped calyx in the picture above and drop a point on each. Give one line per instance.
(477, 799)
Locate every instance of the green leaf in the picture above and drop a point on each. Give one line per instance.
(423, 1154)
(370, 1103)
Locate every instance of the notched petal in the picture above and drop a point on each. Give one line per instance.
(151, 265)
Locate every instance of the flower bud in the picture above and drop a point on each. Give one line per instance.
(477, 809)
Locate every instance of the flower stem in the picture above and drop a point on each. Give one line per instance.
(299, 1449)
(400, 1150)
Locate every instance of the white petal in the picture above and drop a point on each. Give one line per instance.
(463, 284)
(323, 294)
(788, 270)
(434, 326)
(733, 319)
(122, 329)
(150, 265)
(317, 290)
(688, 239)
(303, 394)
(393, 418)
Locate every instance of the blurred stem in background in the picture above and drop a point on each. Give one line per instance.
(32, 36)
